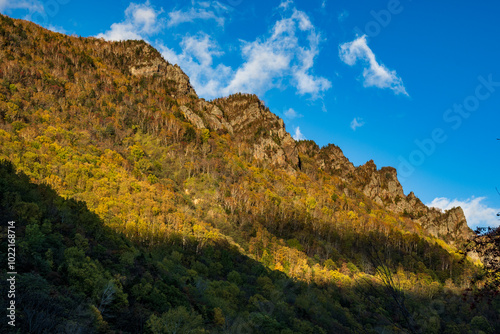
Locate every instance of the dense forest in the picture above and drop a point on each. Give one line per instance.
(141, 208)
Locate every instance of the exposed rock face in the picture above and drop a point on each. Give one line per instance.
(153, 63)
(242, 115)
(332, 159)
(149, 68)
(450, 225)
(329, 158)
(383, 187)
(252, 121)
(192, 117)
(174, 73)
(214, 117)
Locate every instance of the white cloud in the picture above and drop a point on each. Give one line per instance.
(291, 114)
(374, 74)
(288, 53)
(141, 20)
(58, 29)
(280, 59)
(198, 11)
(477, 213)
(37, 11)
(357, 123)
(196, 59)
(265, 64)
(305, 82)
(298, 135)
(31, 5)
(285, 4)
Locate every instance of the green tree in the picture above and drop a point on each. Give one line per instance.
(480, 324)
(176, 321)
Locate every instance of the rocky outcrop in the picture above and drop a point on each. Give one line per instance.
(206, 116)
(214, 117)
(148, 68)
(253, 122)
(152, 63)
(383, 187)
(450, 225)
(332, 159)
(183, 85)
(192, 117)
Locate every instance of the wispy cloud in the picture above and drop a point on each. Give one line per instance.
(58, 29)
(196, 59)
(292, 114)
(280, 59)
(285, 4)
(141, 21)
(200, 10)
(298, 135)
(477, 213)
(30, 5)
(357, 123)
(282, 54)
(374, 74)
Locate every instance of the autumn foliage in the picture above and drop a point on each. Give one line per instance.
(137, 221)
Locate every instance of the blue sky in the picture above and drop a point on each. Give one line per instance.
(409, 84)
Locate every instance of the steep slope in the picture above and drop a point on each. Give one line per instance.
(247, 118)
(255, 124)
(383, 188)
(218, 188)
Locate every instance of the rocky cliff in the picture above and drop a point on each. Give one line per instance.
(254, 123)
(152, 63)
(383, 187)
(248, 120)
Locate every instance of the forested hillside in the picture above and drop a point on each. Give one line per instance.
(141, 208)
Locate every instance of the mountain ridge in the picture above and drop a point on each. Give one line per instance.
(247, 117)
(219, 220)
